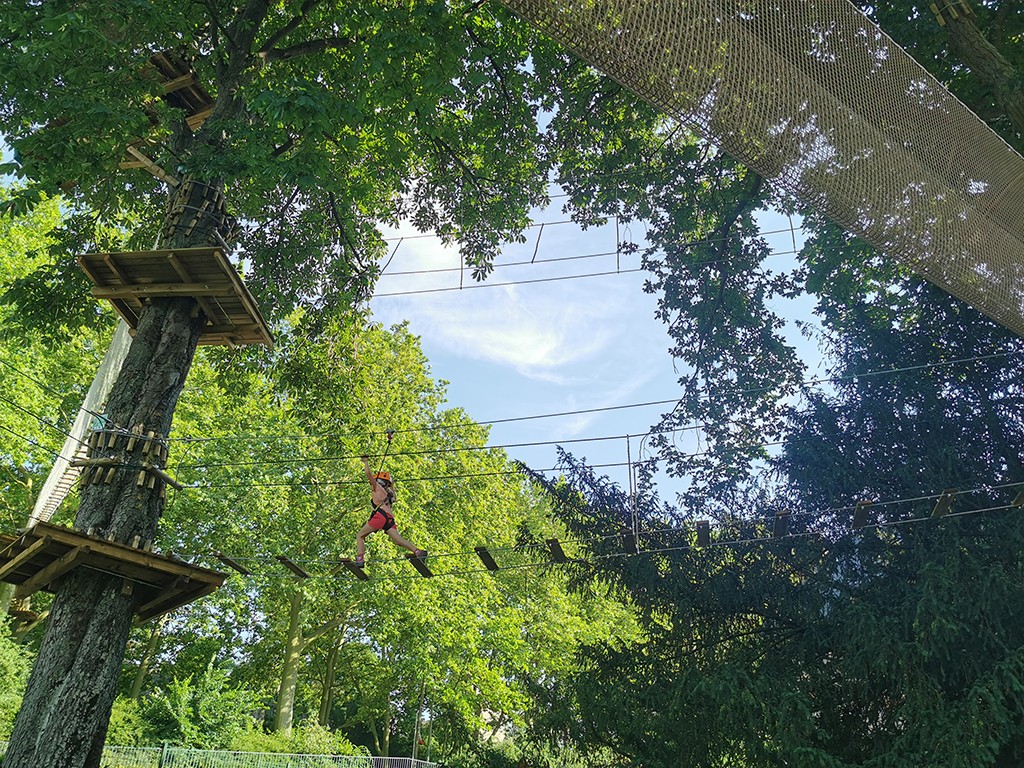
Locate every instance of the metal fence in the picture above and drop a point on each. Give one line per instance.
(177, 757)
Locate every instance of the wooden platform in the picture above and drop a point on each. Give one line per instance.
(183, 90)
(128, 279)
(36, 559)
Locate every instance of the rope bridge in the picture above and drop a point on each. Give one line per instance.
(813, 95)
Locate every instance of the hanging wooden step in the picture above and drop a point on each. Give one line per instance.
(486, 558)
(420, 564)
(356, 570)
(128, 279)
(37, 558)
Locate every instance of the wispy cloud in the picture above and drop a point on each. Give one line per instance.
(545, 332)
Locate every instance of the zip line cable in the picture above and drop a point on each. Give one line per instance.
(44, 421)
(617, 252)
(30, 441)
(538, 280)
(583, 411)
(425, 452)
(111, 426)
(535, 281)
(877, 524)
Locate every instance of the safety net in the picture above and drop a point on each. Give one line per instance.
(813, 95)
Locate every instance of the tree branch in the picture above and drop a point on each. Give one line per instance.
(305, 49)
(322, 630)
(288, 28)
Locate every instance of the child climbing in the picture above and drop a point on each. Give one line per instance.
(381, 519)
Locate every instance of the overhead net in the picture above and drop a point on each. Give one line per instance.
(813, 95)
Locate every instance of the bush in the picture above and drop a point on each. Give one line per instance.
(203, 714)
(306, 739)
(15, 663)
(127, 725)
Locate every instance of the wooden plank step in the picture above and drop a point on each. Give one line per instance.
(419, 563)
(485, 558)
(355, 570)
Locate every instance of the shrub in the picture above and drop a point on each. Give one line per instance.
(306, 739)
(205, 713)
(15, 663)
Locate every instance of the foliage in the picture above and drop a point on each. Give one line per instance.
(40, 378)
(287, 480)
(15, 663)
(202, 711)
(128, 727)
(306, 739)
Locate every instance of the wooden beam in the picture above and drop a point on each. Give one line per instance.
(486, 558)
(177, 587)
(703, 533)
(196, 120)
(114, 267)
(860, 514)
(27, 554)
(159, 289)
(142, 161)
(163, 476)
(292, 567)
(50, 573)
(246, 329)
(156, 608)
(780, 527)
(179, 268)
(557, 553)
(944, 502)
(355, 570)
(84, 266)
(177, 83)
(419, 564)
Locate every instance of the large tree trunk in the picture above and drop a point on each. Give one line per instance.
(330, 674)
(294, 646)
(64, 716)
(147, 658)
(987, 64)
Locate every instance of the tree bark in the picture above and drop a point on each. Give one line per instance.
(294, 645)
(147, 658)
(64, 716)
(988, 65)
(330, 674)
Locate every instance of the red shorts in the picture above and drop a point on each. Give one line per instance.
(381, 520)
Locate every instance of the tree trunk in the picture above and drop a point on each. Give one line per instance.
(66, 710)
(294, 645)
(385, 736)
(147, 658)
(330, 674)
(988, 65)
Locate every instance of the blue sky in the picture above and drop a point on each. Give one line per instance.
(512, 351)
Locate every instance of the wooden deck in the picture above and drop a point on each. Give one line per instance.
(128, 279)
(183, 90)
(37, 558)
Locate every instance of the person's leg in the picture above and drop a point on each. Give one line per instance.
(365, 531)
(397, 538)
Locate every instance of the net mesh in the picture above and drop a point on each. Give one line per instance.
(813, 95)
